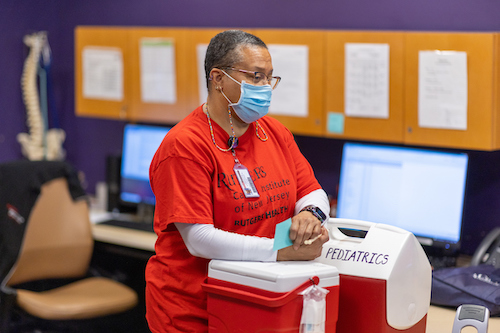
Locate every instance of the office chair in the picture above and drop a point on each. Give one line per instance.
(58, 244)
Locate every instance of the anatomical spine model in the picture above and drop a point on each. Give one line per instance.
(40, 143)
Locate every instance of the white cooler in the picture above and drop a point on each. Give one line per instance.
(385, 278)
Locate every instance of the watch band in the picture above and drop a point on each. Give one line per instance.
(318, 213)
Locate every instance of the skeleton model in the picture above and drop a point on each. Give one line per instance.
(40, 143)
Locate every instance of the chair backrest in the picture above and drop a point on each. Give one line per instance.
(58, 240)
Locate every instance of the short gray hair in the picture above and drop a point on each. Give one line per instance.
(223, 49)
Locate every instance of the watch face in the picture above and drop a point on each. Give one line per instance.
(320, 212)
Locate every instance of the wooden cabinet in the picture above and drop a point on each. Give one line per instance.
(133, 44)
(312, 121)
(338, 124)
(481, 131)
(189, 79)
(324, 78)
(482, 123)
(114, 41)
(170, 110)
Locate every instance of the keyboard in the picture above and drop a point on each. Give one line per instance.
(438, 262)
(142, 226)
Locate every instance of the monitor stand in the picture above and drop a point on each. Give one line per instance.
(145, 213)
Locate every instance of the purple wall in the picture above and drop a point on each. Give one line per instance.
(89, 141)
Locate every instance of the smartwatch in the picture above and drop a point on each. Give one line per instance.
(316, 212)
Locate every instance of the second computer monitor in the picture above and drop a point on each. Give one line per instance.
(419, 190)
(140, 143)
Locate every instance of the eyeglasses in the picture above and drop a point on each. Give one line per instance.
(259, 77)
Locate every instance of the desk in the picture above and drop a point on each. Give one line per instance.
(439, 319)
(135, 239)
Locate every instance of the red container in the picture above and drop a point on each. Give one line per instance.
(266, 297)
(364, 307)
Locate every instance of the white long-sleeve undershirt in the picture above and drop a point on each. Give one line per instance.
(206, 241)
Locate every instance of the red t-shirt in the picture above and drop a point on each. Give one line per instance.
(194, 182)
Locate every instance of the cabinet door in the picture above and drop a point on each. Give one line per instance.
(102, 75)
(160, 69)
(372, 128)
(479, 131)
(303, 83)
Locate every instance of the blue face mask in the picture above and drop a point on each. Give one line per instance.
(253, 103)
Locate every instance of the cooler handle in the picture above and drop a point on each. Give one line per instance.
(336, 223)
(272, 302)
(351, 224)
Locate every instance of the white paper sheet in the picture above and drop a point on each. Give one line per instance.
(201, 50)
(291, 97)
(442, 89)
(158, 80)
(366, 78)
(102, 73)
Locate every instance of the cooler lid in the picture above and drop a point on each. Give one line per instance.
(280, 276)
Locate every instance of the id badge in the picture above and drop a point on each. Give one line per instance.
(246, 182)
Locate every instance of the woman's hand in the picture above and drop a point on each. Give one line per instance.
(304, 252)
(304, 226)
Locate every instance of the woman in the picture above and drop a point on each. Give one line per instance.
(223, 178)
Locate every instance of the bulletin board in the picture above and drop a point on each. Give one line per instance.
(482, 98)
(338, 124)
(101, 39)
(311, 123)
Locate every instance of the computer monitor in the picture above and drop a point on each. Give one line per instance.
(140, 143)
(419, 190)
